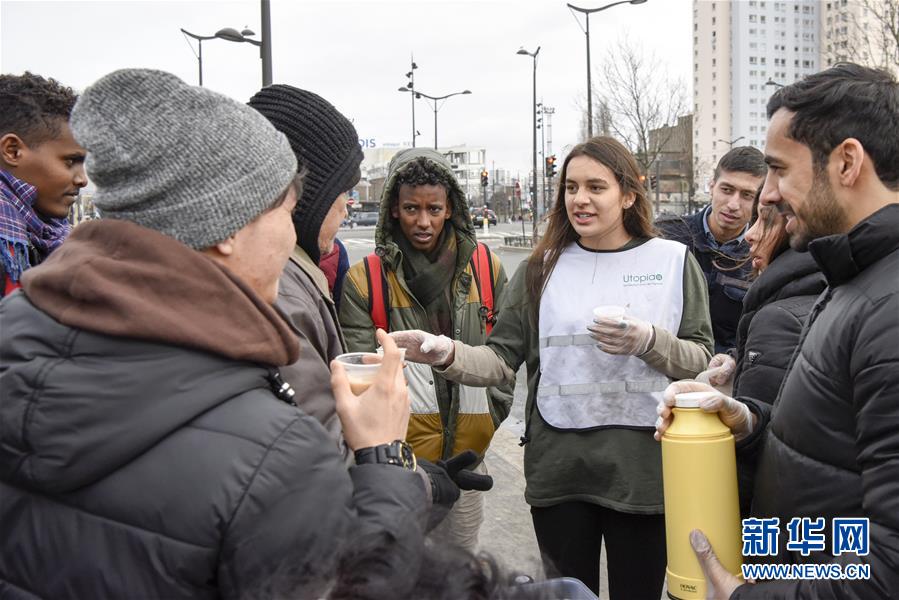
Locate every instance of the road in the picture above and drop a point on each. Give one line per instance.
(507, 533)
(360, 241)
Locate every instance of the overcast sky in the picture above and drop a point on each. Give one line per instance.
(356, 55)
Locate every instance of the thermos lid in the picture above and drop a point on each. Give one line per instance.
(691, 399)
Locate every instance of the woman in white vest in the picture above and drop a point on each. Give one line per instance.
(592, 468)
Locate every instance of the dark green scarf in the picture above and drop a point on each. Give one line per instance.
(430, 278)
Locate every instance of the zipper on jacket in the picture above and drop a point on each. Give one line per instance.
(281, 388)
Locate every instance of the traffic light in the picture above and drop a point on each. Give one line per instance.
(484, 176)
(652, 182)
(551, 165)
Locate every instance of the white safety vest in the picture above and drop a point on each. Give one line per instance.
(582, 387)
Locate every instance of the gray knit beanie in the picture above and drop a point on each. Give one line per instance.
(182, 160)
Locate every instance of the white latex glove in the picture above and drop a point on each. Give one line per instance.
(624, 335)
(720, 372)
(719, 582)
(426, 348)
(732, 413)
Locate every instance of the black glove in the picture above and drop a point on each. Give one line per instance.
(459, 469)
(444, 491)
(449, 476)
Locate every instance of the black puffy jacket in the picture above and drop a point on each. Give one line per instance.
(134, 468)
(774, 312)
(726, 271)
(831, 444)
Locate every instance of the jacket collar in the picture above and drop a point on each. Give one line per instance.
(843, 256)
(119, 279)
(790, 274)
(302, 259)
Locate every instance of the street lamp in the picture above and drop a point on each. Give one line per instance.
(732, 142)
(231, 35)
(774, 83)
(533, 55)
(434, 100)
(410, 86)
(587, 12)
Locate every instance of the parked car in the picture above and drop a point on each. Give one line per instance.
(366, 218)
(477, 215)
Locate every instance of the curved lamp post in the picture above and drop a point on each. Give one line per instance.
(434, 103)
(232, 35)
(587, 12)
(533, 55)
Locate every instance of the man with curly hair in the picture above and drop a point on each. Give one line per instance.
(41, 172)
(425, 244)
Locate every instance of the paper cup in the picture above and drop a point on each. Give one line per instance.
(609, 311)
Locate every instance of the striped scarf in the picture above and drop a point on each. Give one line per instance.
(21, 228)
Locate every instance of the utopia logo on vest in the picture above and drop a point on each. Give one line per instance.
(642, 279)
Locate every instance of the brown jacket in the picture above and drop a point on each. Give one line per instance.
(303, 295)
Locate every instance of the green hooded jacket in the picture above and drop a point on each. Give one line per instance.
(437, 429)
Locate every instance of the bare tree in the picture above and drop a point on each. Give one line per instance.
(602, 118)
(636, 97)
(874, 39)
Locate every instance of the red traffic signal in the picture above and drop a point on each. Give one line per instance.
(551, 165)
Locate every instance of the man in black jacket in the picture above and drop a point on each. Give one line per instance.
(148, 447)
(715, 237)
(829, 447)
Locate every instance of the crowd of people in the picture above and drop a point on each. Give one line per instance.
(174, 423)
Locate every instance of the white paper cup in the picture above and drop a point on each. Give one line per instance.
(609, 311)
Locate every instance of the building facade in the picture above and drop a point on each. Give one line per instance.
(861, 31)
(742, 51)
(671, 173)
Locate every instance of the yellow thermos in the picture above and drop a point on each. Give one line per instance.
(699, 470)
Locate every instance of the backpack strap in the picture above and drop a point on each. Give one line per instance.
(481, 264)
(378, 301)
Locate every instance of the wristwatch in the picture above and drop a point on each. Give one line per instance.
(397, 453)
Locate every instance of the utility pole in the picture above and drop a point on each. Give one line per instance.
(265, 49)
(493, 183)
(533, 182)
(658, 187)
(548, 148)
(520, 209)
(411, 85)
(543, 154)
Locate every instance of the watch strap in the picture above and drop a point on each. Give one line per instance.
(397, 453)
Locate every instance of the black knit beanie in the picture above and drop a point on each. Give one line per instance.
(327, 148)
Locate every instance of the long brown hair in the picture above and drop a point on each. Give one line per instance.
(773, 227)
(560, 232)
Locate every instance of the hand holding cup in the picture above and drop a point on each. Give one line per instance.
(377, 412)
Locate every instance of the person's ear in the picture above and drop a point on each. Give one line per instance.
(849, 156)
(223, 249)
(11, 148)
